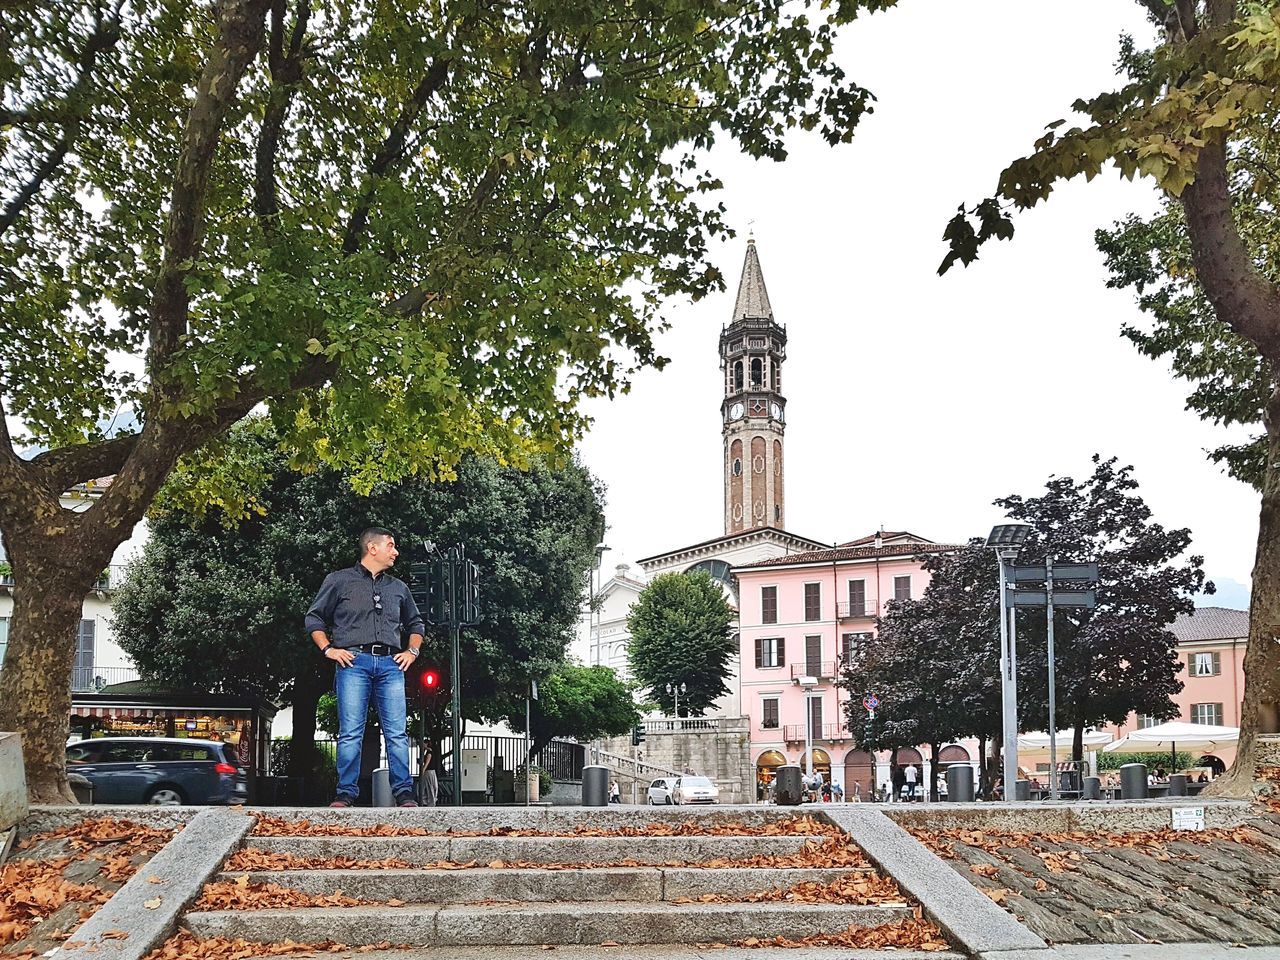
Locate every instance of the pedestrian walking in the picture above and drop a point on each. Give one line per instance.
(615, 795)
(359, 620)
(910, 778)
(837, 792)
(428, 782)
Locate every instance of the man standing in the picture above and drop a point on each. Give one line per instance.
(911, 780)
(358, 620)
(430, 783)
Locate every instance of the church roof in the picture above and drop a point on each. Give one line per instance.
(753, 298)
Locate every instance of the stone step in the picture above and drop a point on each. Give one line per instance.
(545, 923)
(534, 885)
(651, 952)
(541, 819)
(652, 850)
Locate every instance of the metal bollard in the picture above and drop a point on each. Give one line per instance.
(1092, 788)
(595, 786)
(788, 789)
(1022, 790)
(382, 788)
(1177, 784)
(960, 783)
(1133, 781)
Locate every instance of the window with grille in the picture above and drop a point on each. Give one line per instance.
(1206, 664)
(1207, 713)
(902, 588)
(768, 604)
(769, 713)
(770, 651)
(857, 598)
(813, 601)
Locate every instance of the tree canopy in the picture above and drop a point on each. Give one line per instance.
(219, 606)
(682, 632)
(411, 230)
(585, 703)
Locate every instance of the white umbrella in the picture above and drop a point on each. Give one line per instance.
(1039, 740)
(1167, 736)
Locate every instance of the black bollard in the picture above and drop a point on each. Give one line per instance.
(1177, 784)
(1092, 788)
(960, 783)
(788, 789)
(595, 786)
(1133, 781)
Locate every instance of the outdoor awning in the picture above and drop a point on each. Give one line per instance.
(1039, 740)
(1168, 736)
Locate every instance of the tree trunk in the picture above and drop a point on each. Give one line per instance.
(307, 689)
(1260, 713)
(1077, 742)
(934, 750)
(51, 578)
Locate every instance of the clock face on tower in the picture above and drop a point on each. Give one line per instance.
(757, 407)
(775, 410)
(735, 411)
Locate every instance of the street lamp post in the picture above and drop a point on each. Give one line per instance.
(1005, 539)
(594, 584)
(677, 690)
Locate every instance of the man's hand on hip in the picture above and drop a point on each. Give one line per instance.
(343, 658)
(404, 660)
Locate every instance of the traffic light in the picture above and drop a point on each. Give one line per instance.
(430, 683)
(470, 593)
(637, 735)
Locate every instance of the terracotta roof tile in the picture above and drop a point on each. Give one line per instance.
(1211, 623)
(835, 554)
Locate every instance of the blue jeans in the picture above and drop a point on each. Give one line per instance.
(379, 678)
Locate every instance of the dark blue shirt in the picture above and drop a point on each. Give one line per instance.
(354, 608)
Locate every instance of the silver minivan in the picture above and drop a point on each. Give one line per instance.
(660, 791)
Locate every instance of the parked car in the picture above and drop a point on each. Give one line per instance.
(694, 790)
(160, 770)
(660, 791)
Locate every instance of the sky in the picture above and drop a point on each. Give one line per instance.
(915, 400)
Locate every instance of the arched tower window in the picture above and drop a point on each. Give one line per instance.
(737, 375)
(757, 372)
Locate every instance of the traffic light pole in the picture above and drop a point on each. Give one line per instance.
(455, 682)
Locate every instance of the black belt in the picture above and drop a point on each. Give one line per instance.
(377, 649)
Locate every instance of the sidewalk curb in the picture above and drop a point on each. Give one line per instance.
(970, 919)
(180, 871)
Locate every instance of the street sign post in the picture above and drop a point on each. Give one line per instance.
(871, 701)
(1081, 597)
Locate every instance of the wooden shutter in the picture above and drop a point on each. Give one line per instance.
(782, 651)
(759, 652)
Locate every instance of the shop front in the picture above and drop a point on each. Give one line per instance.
(138, 709)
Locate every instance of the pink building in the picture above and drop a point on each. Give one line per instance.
(1211, 645)
(800, 616)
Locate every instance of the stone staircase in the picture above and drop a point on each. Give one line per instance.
(600, 882)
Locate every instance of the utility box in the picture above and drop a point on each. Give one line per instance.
(475, 776)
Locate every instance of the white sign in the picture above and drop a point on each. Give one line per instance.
(1188, 818)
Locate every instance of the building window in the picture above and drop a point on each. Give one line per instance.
(769, 713)
(737, 466)
(4, 637)
(770, 651)
(1207, 713)
(813, 656)
(813, 601)
(902, 588)
(854, 646)
(757, 373)
(768, 604)
(1206, 664)
(737, 375)
(1145, 721)
(857, 598)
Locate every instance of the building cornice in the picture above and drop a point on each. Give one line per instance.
(711, 548)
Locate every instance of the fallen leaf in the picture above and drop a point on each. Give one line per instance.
(153, 903)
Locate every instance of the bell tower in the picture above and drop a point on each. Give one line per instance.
(752, 348)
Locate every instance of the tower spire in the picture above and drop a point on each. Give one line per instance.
(753, 298)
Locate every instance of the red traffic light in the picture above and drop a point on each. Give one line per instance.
(430, 681)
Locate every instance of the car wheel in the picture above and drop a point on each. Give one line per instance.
(671, 801)
(166, 796)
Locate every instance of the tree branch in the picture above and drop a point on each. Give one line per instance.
(106, 33)
(1241, 297)
(241, 28)
(286, 73)
(61, 469)
(391, 151)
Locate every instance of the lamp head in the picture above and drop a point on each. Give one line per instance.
(1008, 535)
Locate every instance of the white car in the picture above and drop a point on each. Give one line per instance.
(660, 791)
(694, 790)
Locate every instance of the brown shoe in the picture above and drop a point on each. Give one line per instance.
(406, 801)
(340, 803)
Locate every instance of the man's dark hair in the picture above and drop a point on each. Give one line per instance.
(371, 534)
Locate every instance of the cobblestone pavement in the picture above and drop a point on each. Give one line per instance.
(1157, 886)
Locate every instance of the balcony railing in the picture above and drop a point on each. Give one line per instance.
(93, 679)
(111, 578)
(822, 671)
(820, 733)
(847, 611)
